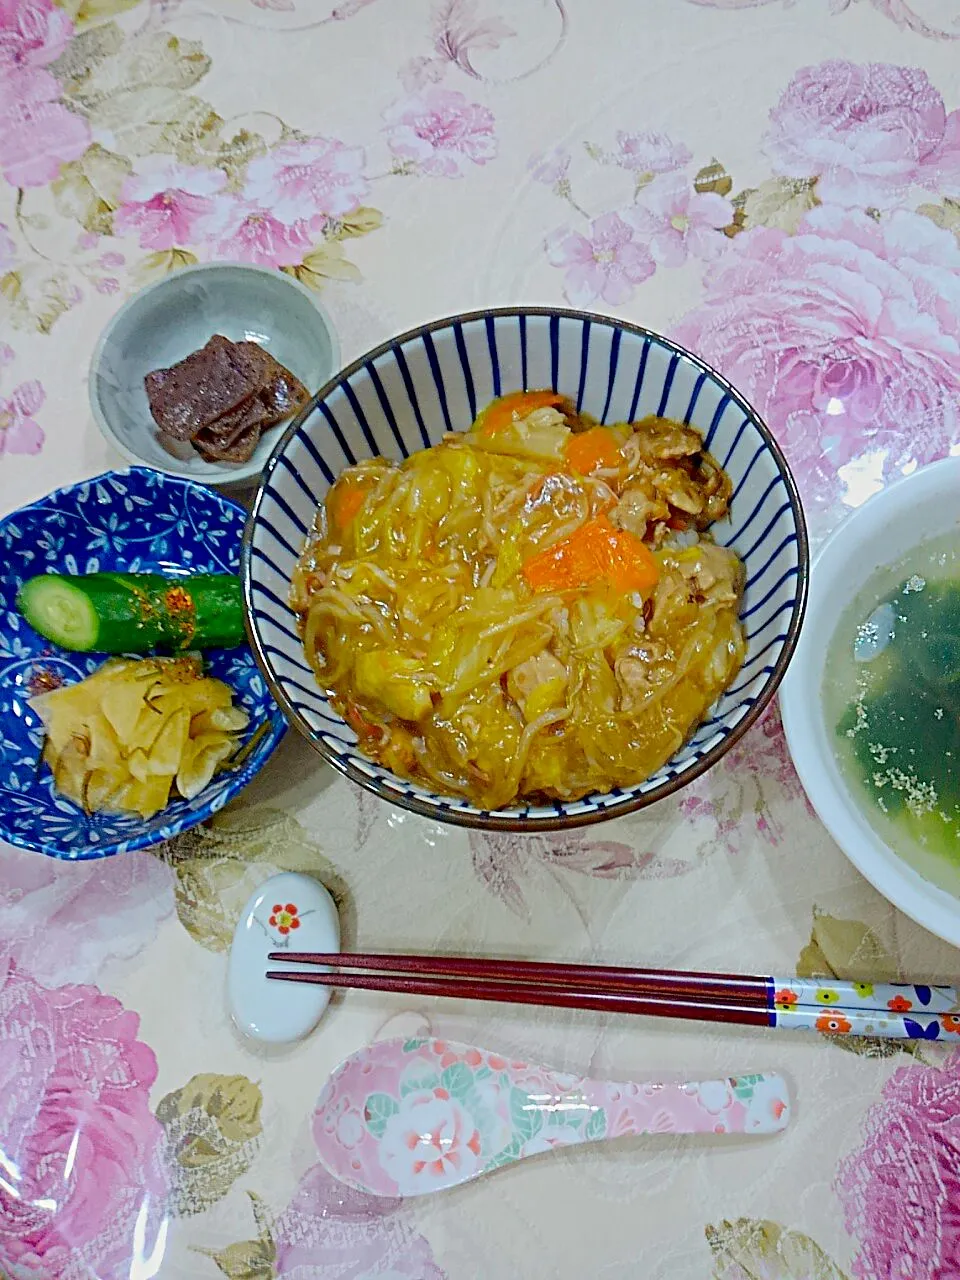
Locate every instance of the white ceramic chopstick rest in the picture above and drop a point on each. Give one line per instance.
(288, 910)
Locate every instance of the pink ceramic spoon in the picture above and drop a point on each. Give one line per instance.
(407, 1117)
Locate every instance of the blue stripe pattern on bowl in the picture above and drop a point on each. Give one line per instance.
(406, 394)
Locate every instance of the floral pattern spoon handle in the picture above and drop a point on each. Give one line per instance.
(409, 1117)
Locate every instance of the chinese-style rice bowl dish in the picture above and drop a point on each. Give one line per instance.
(531, 610)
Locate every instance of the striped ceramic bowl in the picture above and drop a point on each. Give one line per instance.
(404, 395)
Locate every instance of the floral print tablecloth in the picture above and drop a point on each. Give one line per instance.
(776, 185)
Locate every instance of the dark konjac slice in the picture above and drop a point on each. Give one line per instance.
(259, 358)
(282, 392)
(248, 357)
(284, 396)
(221, 398)
(195, 392)
(240, 449)
(222, 433)
(155, 380)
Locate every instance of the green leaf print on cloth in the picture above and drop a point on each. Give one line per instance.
(137, 95)
(850, 949)
(220, 864)
(946, 214)
(89, 189)
(845, 949)
(213, 1128)
(755, 1249)
(85, 12)
(249, 1259)
(778, 202)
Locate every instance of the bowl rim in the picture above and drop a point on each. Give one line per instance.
(237, 782)
(823, 781)
(500, 820)
(214, 474)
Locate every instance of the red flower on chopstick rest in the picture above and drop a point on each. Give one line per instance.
(950, 1022)
(899, 1005)
(833, 1024)
(785, 1000)
(284, 918)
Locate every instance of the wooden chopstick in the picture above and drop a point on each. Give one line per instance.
(720, 988)
(527, 993)
(830, 1005)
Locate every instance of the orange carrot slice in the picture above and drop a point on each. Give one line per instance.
(591, 450)
(596, 552)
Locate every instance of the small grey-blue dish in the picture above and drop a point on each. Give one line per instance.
(167, 321)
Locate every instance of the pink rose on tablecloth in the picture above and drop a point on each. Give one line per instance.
(37, 133)
(310, 181)
(901, 1189)
(440, 131)
(163, 201)
(823, 486)
(650, 152)
(606, 265)
(33, 33)
(549, 166)
(98, 910)
(19, 433)
(83, 1178)
(868, 131)
(679, 221)
(241, 231)
(852, 324)
(331, 1230)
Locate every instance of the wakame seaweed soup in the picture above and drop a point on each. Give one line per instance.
(892, 701)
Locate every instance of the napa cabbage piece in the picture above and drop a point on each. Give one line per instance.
(530, 610)
(543, 435)
(123, 739)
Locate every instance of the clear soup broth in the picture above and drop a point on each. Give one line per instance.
(891, 697)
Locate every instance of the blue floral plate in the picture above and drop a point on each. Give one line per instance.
(133, 520)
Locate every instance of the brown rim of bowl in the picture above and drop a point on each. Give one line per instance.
(498, 820)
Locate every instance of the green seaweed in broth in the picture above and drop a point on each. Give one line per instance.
(891, 697)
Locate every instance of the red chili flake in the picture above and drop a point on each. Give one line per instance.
(180, 610)
(178, 600)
